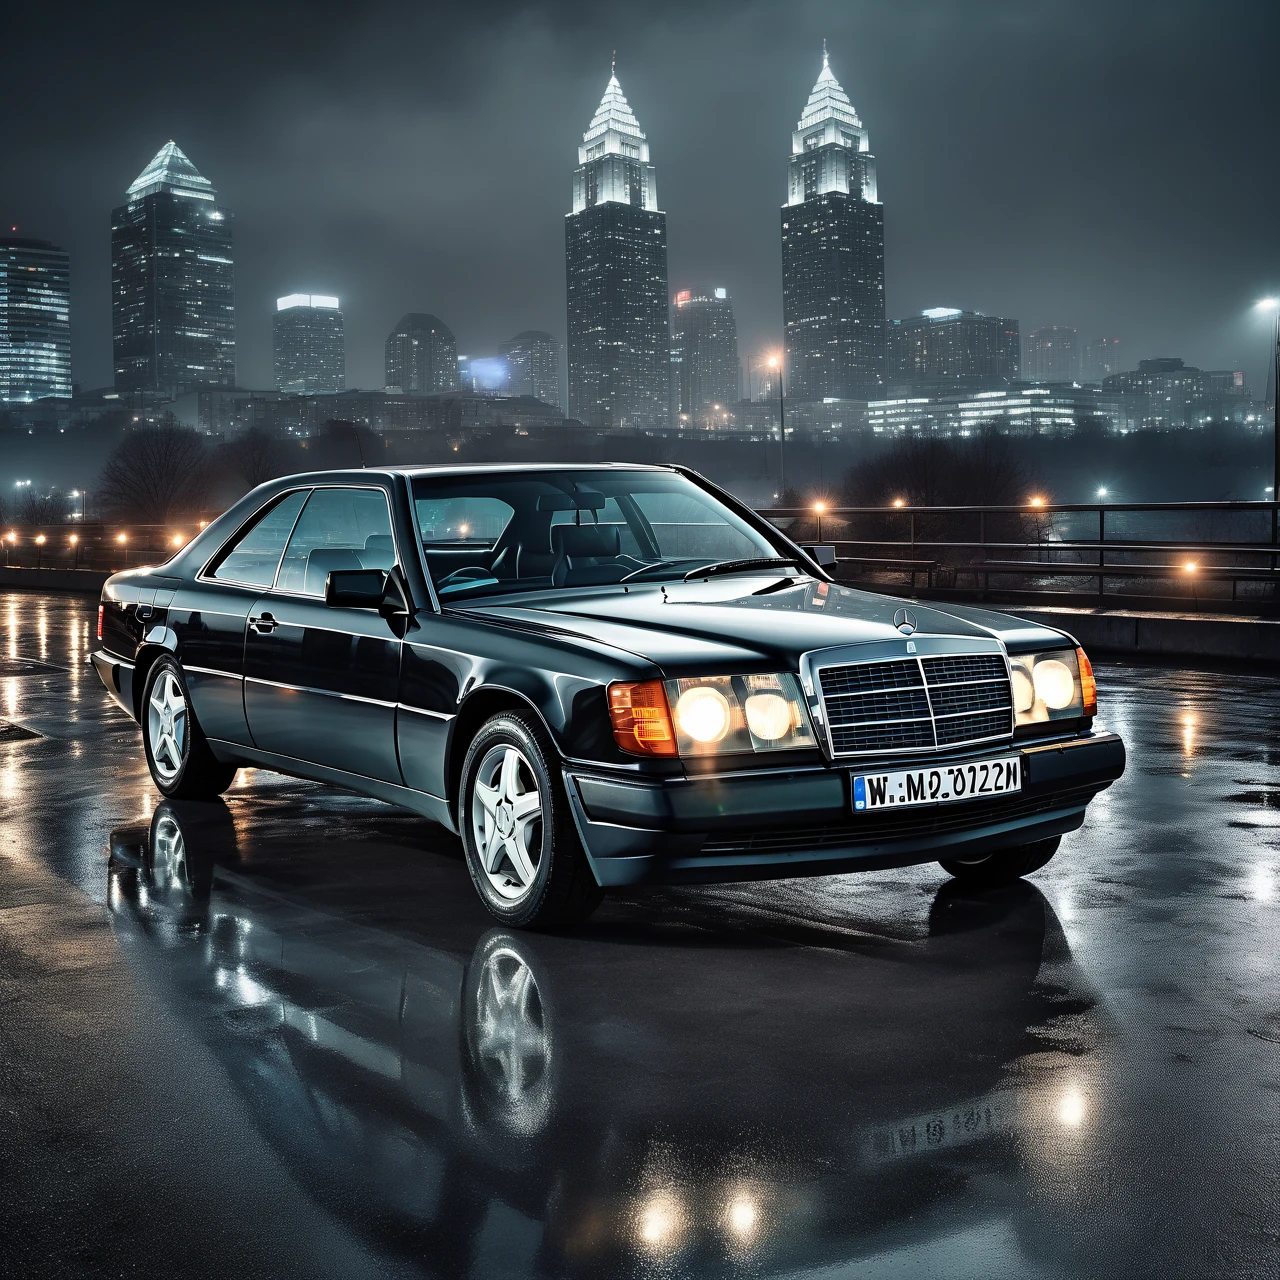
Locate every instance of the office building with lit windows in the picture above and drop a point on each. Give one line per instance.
(35, 321)
(173, 322)
(704, 354)
(533, 366)
(1100, 360)
(616, 277)
(832, 253)
(421, 356)
(944, 346)
(309, 345)
(1053, 354)
(1020, 409)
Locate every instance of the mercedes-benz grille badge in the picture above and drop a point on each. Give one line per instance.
(905, 621)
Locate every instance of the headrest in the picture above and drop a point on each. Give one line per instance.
(585, 540)
(321, 560)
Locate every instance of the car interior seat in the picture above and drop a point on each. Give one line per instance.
(321, 561)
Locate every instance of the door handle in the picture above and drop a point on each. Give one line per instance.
(264, 624)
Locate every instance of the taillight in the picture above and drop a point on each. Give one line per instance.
(99, 622)
(642, 719)
(1088, 685)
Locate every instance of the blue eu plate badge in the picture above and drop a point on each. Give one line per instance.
(859, 793)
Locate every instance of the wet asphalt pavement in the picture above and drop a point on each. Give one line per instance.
(280, 1036)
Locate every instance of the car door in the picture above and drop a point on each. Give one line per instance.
(208, 616)
(321, 683)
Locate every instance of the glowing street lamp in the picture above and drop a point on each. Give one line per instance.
(1271, 307)
(775, 362)
(818, 509)
(1102, 492)
(899, 502)
(1037, 500)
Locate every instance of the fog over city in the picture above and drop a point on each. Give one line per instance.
(1101, 166)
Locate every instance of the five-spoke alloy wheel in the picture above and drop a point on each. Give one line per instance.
(181, 763)
(523, 850)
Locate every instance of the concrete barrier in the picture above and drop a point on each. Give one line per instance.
(1219, 636)
(87, 580)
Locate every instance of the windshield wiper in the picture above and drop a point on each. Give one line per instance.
(742, 566)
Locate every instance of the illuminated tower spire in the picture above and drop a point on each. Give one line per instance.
(832, 252)
(616, 264)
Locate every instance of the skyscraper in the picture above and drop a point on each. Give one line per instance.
(832, 253)
(173, 320)
(1100, 360)
(1053, 355)
(309, 344)
(616, 269)
(35, 320)
(533, 366)
(704, 344)
(945, 345)
(422, 356)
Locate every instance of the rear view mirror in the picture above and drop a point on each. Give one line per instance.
(825, 556)
(355, 588)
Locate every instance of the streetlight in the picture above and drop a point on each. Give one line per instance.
(40, 540)
(1102, 492)
(775, 362)
(75, 548)
(818, 509)
(1037, 500)
(1271, 306)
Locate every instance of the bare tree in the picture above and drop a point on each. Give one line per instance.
(34, 508)
(255, 456)
(156, 474)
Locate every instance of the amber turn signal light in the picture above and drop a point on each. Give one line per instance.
(642, 719)
(1088, 685)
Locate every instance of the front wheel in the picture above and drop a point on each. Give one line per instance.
(523, 851)
(1002, 867)
(181, 763)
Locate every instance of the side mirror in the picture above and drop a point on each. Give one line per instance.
(355, 588)
(825, 556)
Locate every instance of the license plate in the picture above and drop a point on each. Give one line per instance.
(946, 784)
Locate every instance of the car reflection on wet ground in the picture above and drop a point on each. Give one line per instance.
(279, 1035)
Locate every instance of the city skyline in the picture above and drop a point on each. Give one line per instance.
(300, 215)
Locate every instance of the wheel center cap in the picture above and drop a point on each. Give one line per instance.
(506, 819)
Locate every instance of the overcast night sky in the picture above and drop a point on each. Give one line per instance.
(1106, 165)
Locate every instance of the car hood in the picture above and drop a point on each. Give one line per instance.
(745, 619)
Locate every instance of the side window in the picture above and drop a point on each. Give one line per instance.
(338, 529)
(468, 522)
(254, 559)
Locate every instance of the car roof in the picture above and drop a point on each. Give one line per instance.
(476, 468)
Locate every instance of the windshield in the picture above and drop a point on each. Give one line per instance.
(487, 533)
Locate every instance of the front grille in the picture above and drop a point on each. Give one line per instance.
(916, 704)
(902, 824)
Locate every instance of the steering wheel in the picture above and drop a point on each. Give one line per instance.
(460, 577)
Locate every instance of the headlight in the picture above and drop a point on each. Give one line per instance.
(1057, 685)
(715, 715)
(703, 714)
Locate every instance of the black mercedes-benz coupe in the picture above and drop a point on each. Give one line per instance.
(599, 676)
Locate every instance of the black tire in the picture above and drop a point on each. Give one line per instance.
(1004, 866)
(559, 889)
(195, 774)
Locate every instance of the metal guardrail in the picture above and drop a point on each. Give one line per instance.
(1203, 554)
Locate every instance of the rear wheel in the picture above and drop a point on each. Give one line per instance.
(181, 763)
(1004, 866)
(523, 851)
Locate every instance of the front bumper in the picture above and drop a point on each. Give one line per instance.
(791, 822)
